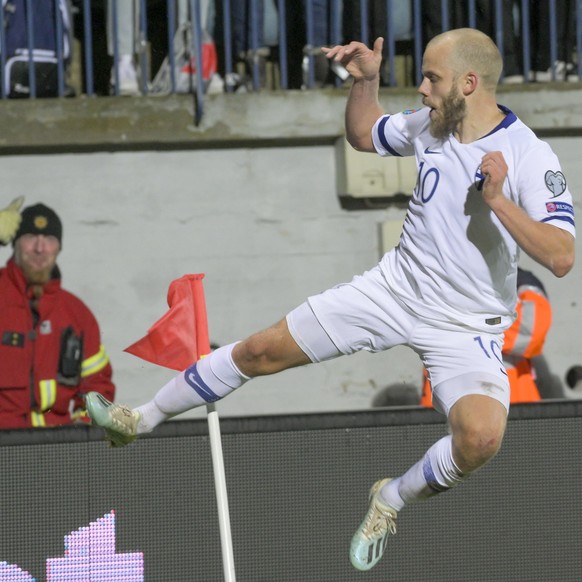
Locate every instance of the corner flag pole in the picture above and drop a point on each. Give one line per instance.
(174, 341)
(203, 348)
(221, 495)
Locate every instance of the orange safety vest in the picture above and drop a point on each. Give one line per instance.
(522, 341)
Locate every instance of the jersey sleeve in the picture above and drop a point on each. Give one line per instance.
(393, 135)
(543, 189)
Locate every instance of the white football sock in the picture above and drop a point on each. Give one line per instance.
(208, 380)
(435, 473)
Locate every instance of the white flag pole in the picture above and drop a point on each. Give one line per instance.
(221, 496)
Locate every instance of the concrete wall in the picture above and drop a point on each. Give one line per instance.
(264, 225)
(238, 120)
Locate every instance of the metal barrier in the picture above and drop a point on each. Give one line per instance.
(408, 43)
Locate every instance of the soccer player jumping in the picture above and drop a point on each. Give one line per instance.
(486, 187)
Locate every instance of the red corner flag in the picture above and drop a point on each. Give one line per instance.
(180, 337)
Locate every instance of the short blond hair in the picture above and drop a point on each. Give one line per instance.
(473, 50)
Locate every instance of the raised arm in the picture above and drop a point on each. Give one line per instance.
(549, 245)
(363, 108)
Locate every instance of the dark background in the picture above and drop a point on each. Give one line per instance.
(297, 490)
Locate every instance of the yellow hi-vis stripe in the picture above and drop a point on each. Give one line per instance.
(95, 363)
(37, 419)
(48, 394)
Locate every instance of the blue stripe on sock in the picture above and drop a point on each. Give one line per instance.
(430, 477)
(194, 380)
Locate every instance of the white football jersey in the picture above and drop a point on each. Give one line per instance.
(455, 262)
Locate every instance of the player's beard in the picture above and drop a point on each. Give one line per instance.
(449, 115)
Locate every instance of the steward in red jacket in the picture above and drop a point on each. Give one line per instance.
(50, 343)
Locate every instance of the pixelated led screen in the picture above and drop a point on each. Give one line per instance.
(77, 511)
(88, 554)
(83, 512)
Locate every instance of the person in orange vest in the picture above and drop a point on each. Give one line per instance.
(523, 341)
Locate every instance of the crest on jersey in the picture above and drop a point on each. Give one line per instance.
(555, 183)
(409, 111)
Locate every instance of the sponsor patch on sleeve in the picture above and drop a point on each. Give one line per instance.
(552, 207)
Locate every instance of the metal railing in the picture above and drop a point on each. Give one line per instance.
(221, 28)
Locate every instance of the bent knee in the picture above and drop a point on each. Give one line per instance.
(474, 448)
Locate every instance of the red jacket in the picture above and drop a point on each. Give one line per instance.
(35, 388)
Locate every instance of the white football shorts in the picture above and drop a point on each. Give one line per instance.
(364, 315)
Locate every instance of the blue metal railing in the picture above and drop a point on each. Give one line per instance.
(30, 47)
(525, 38)
(224, 34)
(115, 27)
(88, 36)
(2, 55)
(196, 48)
(417, 24)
